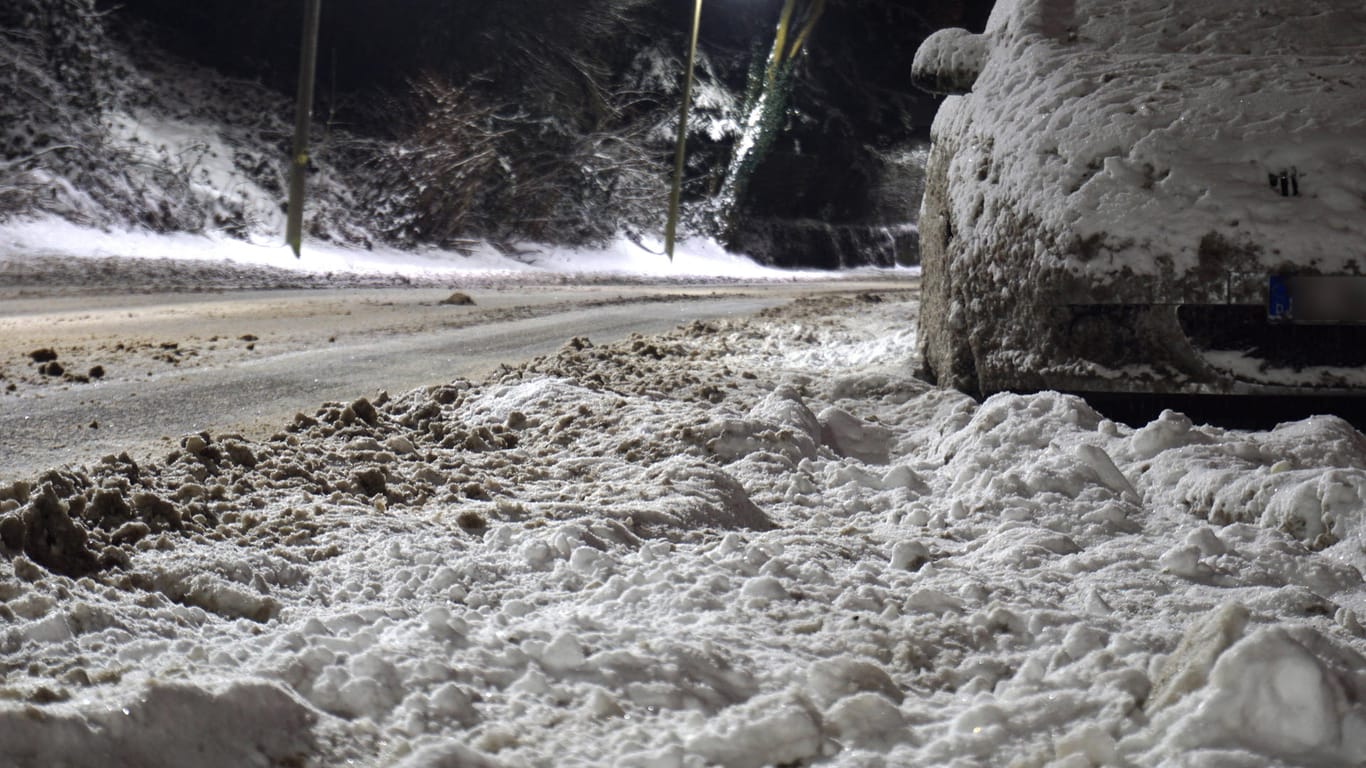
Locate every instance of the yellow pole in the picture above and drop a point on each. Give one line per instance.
(779, 43)
(676, 194)
(817, 9)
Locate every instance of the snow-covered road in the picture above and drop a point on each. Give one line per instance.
(247, 362)
(744, 543)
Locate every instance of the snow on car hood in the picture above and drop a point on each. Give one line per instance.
(1194, 152)
(1157, 164)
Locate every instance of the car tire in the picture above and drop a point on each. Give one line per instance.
(947, 358)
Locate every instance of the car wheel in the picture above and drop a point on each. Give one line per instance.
(947, 358)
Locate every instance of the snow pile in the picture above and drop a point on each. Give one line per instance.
(741, 544)
(1306, 478)
(253, 723)
(1284, 693)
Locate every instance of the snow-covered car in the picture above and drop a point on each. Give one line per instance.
(1147, 196)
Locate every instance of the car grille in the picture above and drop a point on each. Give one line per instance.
(1278, 345)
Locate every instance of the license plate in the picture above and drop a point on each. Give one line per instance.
(1317, 300)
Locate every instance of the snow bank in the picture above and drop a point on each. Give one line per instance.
(1289, 694)
(693, 258)
(240, 723)
(1305, 478)
(714, 547)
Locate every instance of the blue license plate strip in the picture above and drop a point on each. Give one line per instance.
(1317, 299)
(1280, 305)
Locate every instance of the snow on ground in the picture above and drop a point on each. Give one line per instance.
(741, 544)
(695, 258)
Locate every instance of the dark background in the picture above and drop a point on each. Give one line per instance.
(814, 199)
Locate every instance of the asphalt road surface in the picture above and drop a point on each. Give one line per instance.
(161, 366)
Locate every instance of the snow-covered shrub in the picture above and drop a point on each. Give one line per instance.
(471, 166)
(70, 37)
(431, 186)
(72, 136)
(54, 74)
(535, 127)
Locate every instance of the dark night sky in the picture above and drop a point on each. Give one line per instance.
(386, 43)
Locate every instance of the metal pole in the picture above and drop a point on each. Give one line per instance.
(676, 194)
(308, 70)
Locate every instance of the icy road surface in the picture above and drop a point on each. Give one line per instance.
(747, 542)
(246, 362)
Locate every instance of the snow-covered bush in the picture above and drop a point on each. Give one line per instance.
(54, 74)
(70, 38)
(471, 166)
